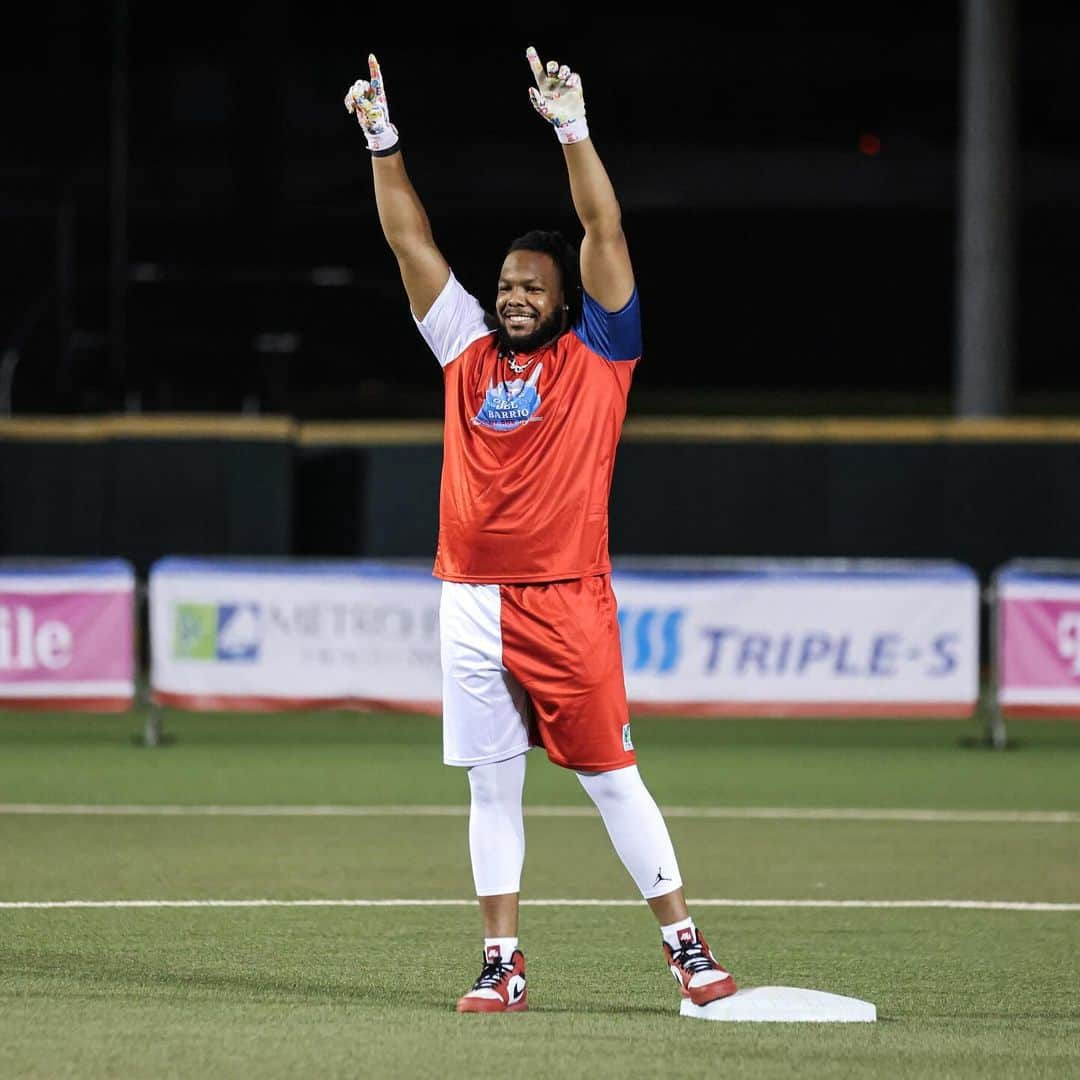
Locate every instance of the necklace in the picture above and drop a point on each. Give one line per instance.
(517, 368)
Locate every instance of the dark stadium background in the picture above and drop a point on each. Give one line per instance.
(785, 266)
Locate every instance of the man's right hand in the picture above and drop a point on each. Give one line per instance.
(366, 100)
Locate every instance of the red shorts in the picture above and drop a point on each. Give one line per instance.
(534, 665)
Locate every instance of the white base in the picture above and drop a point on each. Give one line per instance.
(784, 1004)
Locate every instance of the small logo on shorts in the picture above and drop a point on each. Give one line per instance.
(626, 743)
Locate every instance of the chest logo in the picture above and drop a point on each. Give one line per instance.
(510, 403)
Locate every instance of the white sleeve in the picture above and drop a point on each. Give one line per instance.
(452, 323)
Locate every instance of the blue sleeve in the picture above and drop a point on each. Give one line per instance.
(614, 335)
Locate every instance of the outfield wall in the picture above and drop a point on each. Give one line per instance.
(139, 487)
(143, 487)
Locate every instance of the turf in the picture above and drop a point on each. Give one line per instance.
(369, 992)
(352, 759)
(346, 994)
(234, 858)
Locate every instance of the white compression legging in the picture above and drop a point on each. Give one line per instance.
(496, 828)
(636, 827)
(630, 814)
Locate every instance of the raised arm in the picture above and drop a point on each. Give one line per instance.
(405, 225)
(606, 272)
(424, 271)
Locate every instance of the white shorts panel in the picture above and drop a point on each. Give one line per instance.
(485, 709)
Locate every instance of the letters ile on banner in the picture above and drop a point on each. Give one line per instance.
(67, 634)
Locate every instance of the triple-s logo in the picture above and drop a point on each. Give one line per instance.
(651, 638)
(228, 632)
(667, 641)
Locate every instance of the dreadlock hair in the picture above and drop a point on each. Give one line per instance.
(565, 257)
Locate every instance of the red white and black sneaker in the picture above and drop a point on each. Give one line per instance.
(699, 976)
(501, 986)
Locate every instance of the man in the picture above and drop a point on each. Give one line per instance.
(535, 400)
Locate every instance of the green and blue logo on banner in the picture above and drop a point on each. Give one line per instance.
(225, 632)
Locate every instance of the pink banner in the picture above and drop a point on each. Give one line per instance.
(1040, 653)
(81, 642)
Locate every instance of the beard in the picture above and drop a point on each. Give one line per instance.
(546, 330)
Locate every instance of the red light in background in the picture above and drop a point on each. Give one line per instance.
(870, 145)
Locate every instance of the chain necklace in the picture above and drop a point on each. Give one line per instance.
(520, 368)
(515, 367)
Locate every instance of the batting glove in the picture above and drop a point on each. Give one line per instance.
(367, 102)
(558, 98)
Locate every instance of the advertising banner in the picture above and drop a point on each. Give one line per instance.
(771, 639)
(278, 634)
(783, 640)
(67, 635)
(1039, 641)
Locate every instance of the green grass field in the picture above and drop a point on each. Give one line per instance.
(341, 991)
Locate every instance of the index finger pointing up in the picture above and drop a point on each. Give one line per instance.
(376, 76)
(537, 67)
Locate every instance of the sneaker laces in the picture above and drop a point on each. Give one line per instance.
(694, 958)
(493, 973)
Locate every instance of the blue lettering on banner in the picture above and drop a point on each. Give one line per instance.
(651, 638)
(883, 654)
(753, 651)
(716, 638)
(942, 647)
(748, 653)
(782, 654)
(843, 667)
(815, 647)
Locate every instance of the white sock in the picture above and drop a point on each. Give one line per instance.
(504, 945)
(672, 936)
(637, 829)
(684, 932)
(496, 827)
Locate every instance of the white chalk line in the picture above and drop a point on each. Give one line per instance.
(953, 905)
(746, 813)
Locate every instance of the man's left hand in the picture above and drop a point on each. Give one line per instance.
(558, 98)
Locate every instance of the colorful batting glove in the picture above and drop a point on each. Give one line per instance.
(367, 102)
(558, 98)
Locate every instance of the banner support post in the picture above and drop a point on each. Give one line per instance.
(151, 735)
(152, 728)
(996, 734)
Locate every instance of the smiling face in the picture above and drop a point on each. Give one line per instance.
(529, 303)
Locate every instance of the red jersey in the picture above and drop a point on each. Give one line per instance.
(528, 455)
